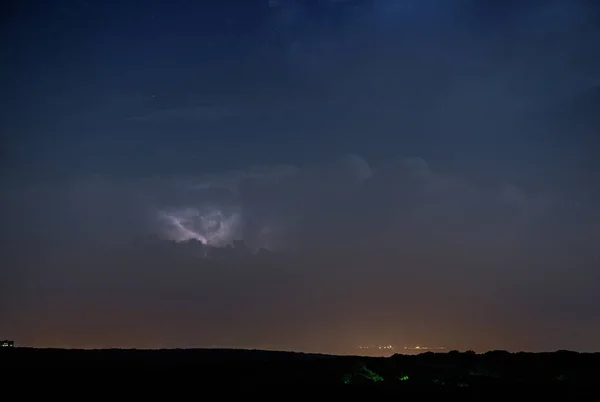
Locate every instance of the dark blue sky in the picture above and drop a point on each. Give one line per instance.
(294, 123)
(297, 82)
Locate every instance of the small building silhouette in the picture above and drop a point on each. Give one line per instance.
(7, 344)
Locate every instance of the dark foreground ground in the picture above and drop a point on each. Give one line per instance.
(453, 372)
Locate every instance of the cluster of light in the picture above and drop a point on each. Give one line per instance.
(380, 347)
(424, 348)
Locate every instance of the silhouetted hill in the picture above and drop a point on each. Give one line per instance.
(439, 372)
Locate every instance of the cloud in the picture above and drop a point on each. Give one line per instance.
(347, 201)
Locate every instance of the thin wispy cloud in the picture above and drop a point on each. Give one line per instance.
(197, 113)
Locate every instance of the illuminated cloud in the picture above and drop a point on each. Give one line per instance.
(349, 202)
(210, 226)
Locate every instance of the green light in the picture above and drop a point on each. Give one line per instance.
(377, 378)
(370, 375)
(347, 379)
(403, 378)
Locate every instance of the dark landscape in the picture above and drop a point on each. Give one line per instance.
(438, 372)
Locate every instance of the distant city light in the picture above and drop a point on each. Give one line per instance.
(416, 348)
(376, 347)
(422, 348)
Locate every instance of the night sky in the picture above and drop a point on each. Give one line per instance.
(300, 174)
